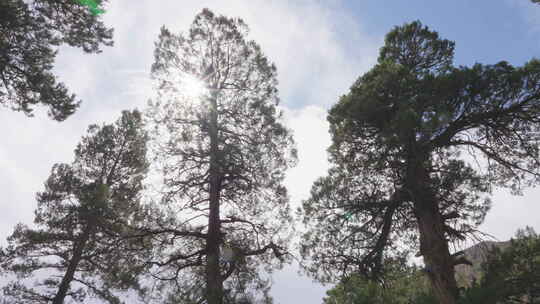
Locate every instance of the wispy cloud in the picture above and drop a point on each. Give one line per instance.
(530, 12)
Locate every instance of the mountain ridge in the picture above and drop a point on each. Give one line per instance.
(476, 254)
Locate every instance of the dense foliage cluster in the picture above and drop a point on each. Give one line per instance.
(30, 33)
(403, 285)
(508, 275)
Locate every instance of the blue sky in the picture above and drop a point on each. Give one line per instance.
(485, 31)
(319, 47)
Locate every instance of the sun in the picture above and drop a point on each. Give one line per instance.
(192, 87)
(182, 86)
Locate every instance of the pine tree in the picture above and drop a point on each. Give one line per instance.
(30, 32)
(397, 179)
(223, 153)
(78, 246)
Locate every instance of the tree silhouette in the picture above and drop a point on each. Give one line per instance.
(222, 152)
(79, 247)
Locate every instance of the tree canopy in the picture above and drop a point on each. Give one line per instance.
(30, 33)
(397, 158)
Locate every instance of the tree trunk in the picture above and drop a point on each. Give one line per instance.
(78, 249)
(437, 258)
(214, 284)
(433, 244)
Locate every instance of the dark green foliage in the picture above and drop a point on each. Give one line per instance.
(403, 285)
(398, 136)
(223, 154)
(511, 275)
(77, 248)
(30, 33)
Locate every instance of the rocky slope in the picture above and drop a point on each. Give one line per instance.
(477, 254)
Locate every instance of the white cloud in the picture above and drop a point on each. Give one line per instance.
(510, 213)
(310, 130)
(307, 40)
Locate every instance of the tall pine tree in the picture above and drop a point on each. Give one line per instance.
(223, 154)
(78, 246)
(398, 180)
